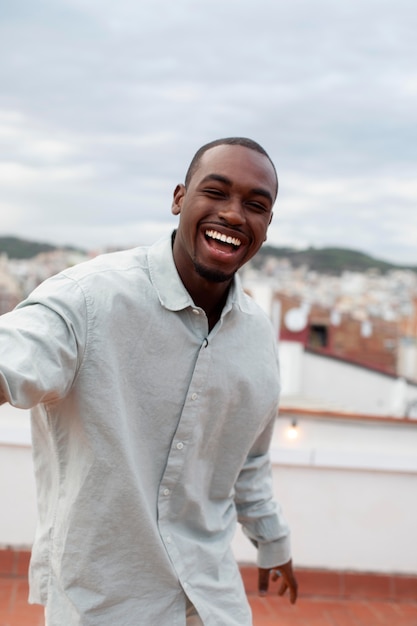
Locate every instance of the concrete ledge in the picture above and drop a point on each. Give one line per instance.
(14, 563)
(342, 459)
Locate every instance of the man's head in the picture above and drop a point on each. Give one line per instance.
(225, 208)
(227, 141)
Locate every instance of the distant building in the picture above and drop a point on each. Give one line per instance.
(407, 349)
(10, 292)
(369, 341)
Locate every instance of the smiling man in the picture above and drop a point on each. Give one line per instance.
(225, 209)
(154, 384)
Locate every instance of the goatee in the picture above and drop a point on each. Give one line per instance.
(213, 276)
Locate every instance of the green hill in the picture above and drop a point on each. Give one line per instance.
(17, 248)
(322, 260)
(328, 260)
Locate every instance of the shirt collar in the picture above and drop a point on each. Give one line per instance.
(170, 288)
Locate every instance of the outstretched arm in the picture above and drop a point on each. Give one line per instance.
(288, 580)
(42, 343)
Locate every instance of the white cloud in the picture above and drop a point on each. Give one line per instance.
(15, 174)
(103, 104)
(12, 217)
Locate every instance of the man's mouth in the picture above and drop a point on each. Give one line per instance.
(227, 239)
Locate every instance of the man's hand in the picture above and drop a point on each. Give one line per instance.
(288, 580)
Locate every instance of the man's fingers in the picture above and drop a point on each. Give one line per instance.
(293, 594)
(275, 575)
(283, 588)
(288, 581)
(292, 586)
(263, 581)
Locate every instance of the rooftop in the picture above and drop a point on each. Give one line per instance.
(326, 598)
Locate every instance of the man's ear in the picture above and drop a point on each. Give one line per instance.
(270, 220)
(178, 198)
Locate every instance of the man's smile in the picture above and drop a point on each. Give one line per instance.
(214, 234)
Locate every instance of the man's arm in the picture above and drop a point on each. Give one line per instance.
(261, 517)
(41, 344)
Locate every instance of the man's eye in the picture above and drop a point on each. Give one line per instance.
(214, 192)
(257, 206)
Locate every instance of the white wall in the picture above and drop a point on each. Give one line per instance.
(17, 485)
(324, 381)
(348, 490)
(17, 496)
(355, 520)
(407, 357)
(346, 520)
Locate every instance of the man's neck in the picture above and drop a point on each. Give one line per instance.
(209, 296)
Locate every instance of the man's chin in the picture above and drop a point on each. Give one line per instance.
(211, 275)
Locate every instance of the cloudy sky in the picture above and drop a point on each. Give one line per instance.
(104, 102)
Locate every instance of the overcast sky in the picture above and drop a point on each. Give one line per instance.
(104, 102)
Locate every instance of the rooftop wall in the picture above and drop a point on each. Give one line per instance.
(347, 488)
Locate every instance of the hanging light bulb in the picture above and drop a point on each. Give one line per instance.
(292, 431)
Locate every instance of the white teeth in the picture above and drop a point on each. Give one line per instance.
(213, 234)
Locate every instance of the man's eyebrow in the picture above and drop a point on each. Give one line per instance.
(218, 178)
(264, 193)
(226, 181)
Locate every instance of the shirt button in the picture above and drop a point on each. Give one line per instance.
(196, 312)
(180, 445)
(166, 492)
(185, 586)
(168, 539)
(194, 396)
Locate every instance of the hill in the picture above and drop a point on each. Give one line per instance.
(322, 260)
(328, 260)
(17, 248)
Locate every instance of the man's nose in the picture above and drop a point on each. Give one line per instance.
(233, 212)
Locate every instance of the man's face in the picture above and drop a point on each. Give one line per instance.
(224, 212)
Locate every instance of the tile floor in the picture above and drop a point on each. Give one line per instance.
(14, 608)
(326, 599)
(328, 612)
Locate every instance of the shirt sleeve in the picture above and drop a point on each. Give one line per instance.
(258, 512)
(42, 342)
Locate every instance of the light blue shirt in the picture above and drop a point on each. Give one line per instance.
(150, 440)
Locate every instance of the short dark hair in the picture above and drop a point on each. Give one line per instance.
(228, 141)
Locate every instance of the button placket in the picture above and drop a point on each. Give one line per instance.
(178, 453)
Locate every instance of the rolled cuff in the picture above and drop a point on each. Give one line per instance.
(274, 553)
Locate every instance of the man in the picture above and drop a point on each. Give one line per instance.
(155, 385)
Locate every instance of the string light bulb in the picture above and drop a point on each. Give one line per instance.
(292, 431)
